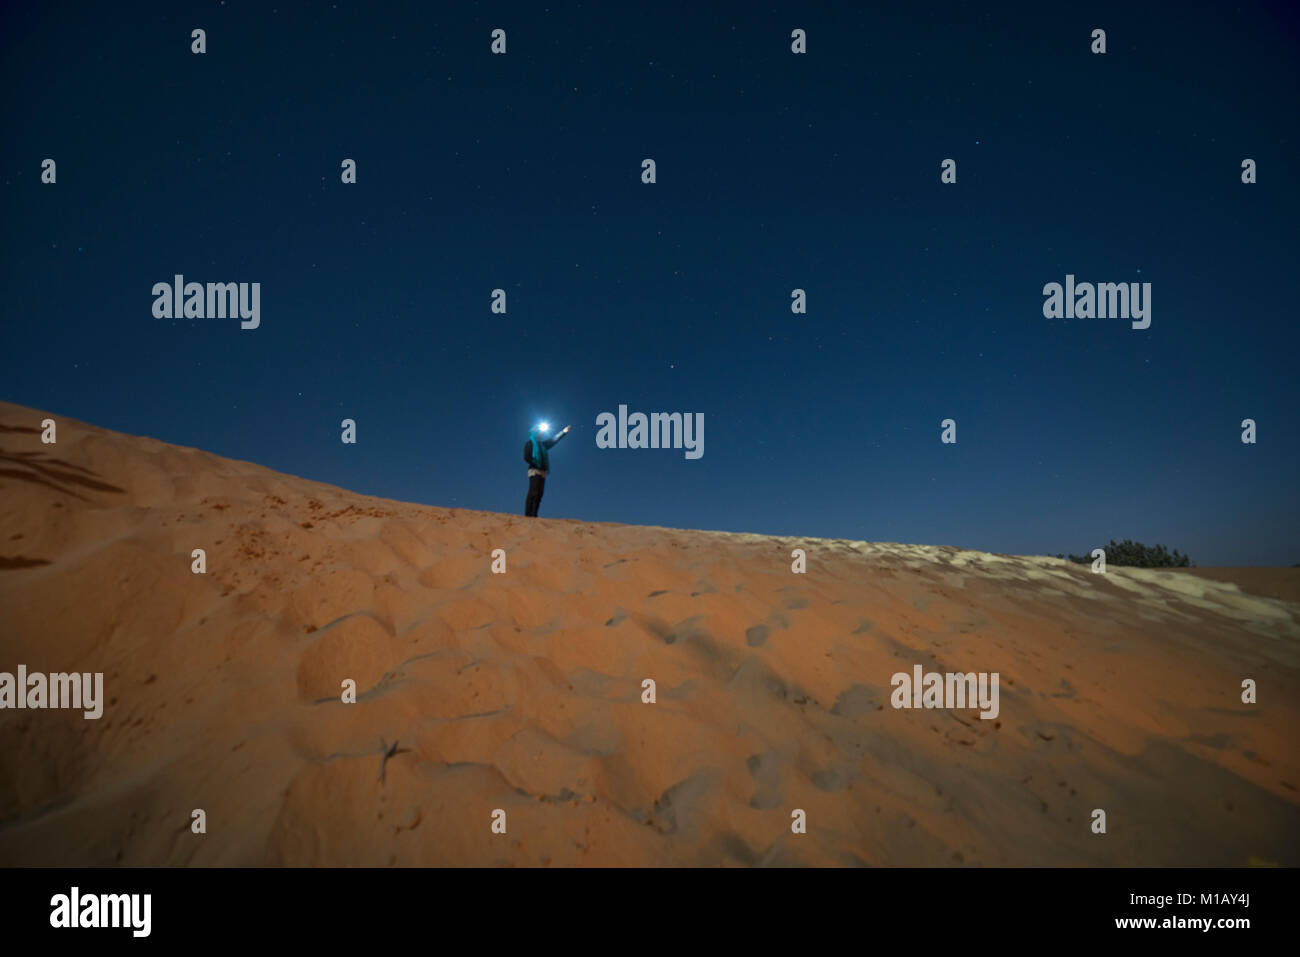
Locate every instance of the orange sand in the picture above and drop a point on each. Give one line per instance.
(522, 691)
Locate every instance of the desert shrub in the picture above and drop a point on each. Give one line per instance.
(1136, 555)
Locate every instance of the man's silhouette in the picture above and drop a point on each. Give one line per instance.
(537, 455)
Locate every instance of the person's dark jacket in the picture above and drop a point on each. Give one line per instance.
(542, 461)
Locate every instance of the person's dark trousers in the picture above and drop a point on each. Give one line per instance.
(536, 484)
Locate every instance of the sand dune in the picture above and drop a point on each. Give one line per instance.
(523, 691)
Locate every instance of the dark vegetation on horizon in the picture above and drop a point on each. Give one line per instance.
(1136, 555)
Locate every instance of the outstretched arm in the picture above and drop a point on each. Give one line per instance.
(559, 435)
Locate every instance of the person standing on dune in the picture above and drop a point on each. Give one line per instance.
(537, 455)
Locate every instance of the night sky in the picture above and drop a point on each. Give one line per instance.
(775, 171)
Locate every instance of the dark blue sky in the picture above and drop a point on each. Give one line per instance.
(775, 171)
